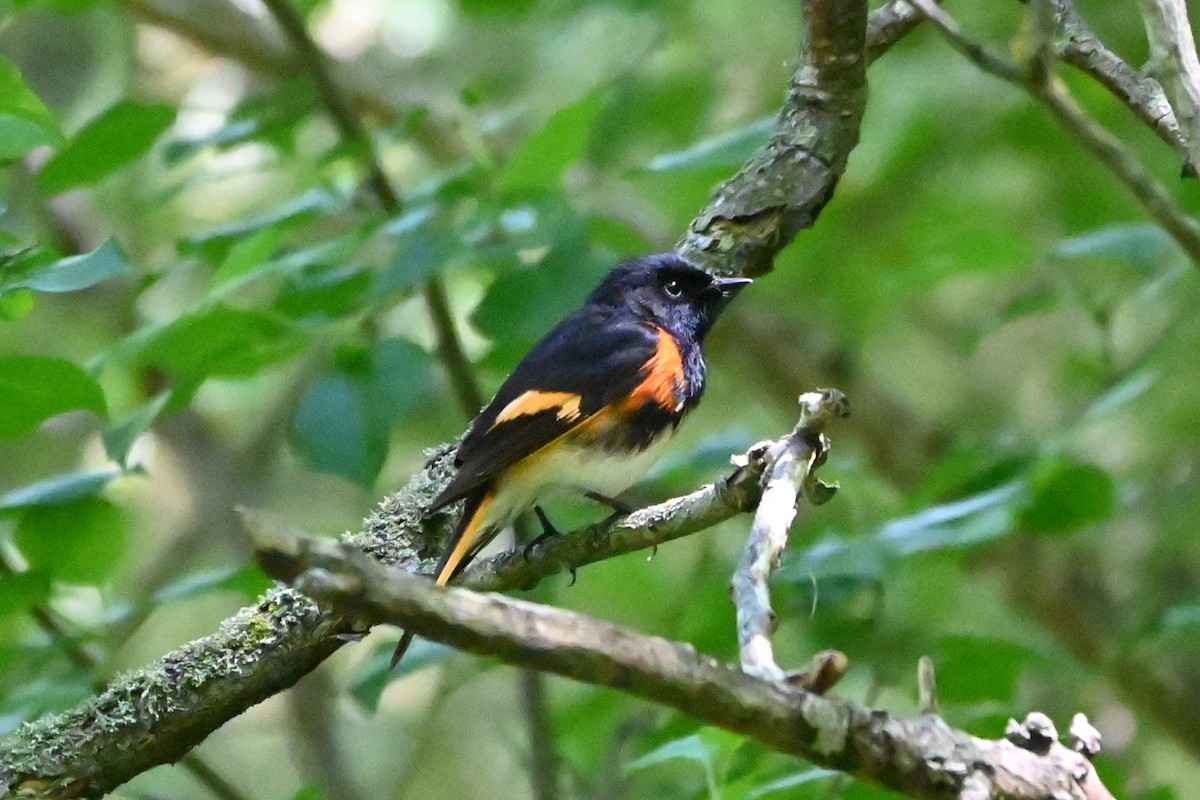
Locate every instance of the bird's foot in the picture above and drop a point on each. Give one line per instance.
(548, 532)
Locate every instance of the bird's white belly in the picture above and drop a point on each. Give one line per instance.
(569, 468)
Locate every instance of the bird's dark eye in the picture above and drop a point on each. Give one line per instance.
(673, 289)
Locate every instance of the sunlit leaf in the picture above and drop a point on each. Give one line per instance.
(727, 151)
(36, 388)
(214, 245)
(690, 748)
(77, 272)
(60, 489)
(979, 518)
(116, 138)
(25, 122)
(801, 778)
(1141, 244)
(119, 437)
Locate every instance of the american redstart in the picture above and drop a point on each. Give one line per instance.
(590, 407)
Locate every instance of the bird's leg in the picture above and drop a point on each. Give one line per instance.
(548, 531)
(617, 505)
(620, 507)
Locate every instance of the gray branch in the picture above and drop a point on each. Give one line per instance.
(922, 757)
(790, 465)
(1173, 61)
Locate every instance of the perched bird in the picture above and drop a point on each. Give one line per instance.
(590, 407)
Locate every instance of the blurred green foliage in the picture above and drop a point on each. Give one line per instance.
(200, 306)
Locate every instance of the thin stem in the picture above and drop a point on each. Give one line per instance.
(342, 112)
(543, 764)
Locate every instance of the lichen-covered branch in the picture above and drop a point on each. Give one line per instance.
(922, 757)
(1173, 61)
(785, 185)
(1082, 49)
(790, 465)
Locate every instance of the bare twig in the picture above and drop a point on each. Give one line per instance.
(1103, 145)
(922, 757)
(791, 464)
(1082, 49)
(1173, 61)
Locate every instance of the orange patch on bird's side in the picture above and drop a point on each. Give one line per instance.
(535, 402)
(664, 376)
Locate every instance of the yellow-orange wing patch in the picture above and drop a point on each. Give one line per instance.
(535, 402)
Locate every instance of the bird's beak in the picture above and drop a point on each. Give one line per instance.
(728, 287)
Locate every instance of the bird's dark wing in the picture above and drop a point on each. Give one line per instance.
(591, 360)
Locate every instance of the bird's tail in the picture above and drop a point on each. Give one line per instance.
(468, 538)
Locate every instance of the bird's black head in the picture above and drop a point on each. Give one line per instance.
(666, 290)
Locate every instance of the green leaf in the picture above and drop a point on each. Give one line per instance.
(334, 431)
(309, 792)
(36, 388)
(426, 252)
(116, 138)
(1141, 244)
(524, 303)
(400, 374)
(978, 669)
(119, 438)
(59, 489)
(324, 293)
(690, 748)
(728, 151)
(801, 778)
(248, 253)
(978, 518)
(1068, 495)
(375, 673)
(247, 581)
(220, 342)
(539, 162)
(1182, 618)
(214, 246)
(15, 304)
(25, 122)
(706, 748)
(77, 272)
(21, 591)
(77, 542)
